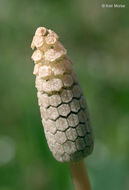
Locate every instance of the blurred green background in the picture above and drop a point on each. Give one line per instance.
(97, 41)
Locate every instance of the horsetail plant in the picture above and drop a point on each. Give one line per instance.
(62, 104)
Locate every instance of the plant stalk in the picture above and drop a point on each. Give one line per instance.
(79, 176)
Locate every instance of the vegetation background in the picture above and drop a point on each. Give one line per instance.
(97, 40)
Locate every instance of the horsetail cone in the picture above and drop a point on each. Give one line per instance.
(62, 104)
